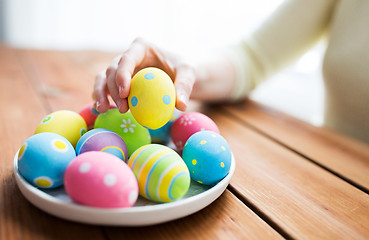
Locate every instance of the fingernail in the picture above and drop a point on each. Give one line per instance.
(183, 98)
(96, 106)
(182, 102)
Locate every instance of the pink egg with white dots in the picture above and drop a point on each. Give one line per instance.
(100, 179)
(188, 124)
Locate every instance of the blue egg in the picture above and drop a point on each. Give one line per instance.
(43, 158)
(162, 135)
(207, 156)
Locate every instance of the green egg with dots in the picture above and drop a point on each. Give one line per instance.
(66, 123)
(207, 156)
(133, 134)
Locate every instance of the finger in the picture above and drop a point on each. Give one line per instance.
(131, 58)
(122, 104)
(110, 76)
(184, 81)
(112, 68)
(112, 87)
(100, 93)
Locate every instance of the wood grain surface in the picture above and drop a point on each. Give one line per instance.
(298, 196)
(21, 111)
(345, 157)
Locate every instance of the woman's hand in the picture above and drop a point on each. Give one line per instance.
(116, 80)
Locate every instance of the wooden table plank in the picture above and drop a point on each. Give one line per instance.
(64, 80)
(291, 192)
(70, 78)
(344, 156)
(21, 110)
(226, 218)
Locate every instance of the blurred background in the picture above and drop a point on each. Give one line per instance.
(179, 26)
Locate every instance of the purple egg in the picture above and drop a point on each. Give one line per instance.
(103, 140)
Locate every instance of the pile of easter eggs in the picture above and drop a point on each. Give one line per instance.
(107, 160)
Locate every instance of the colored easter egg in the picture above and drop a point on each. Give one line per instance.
(207, 156)
(161, 173)
(162, 134)
(152, 97)
(89, 114)
(100, 179)
(66, 123)
(103, 140)
(188, 124)
(43, 158)
(133, 134)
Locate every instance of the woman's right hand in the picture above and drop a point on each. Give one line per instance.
(116, 79)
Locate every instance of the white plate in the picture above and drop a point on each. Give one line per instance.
(143, 213)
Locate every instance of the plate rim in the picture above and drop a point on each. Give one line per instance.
(32, 194)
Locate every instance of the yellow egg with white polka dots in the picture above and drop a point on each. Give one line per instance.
(152, 97)
(66, 123)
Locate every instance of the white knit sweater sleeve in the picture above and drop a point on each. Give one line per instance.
(290, 31)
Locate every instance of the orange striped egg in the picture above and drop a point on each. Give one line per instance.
(161, 173)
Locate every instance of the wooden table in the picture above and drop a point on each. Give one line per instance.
(292, 180)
